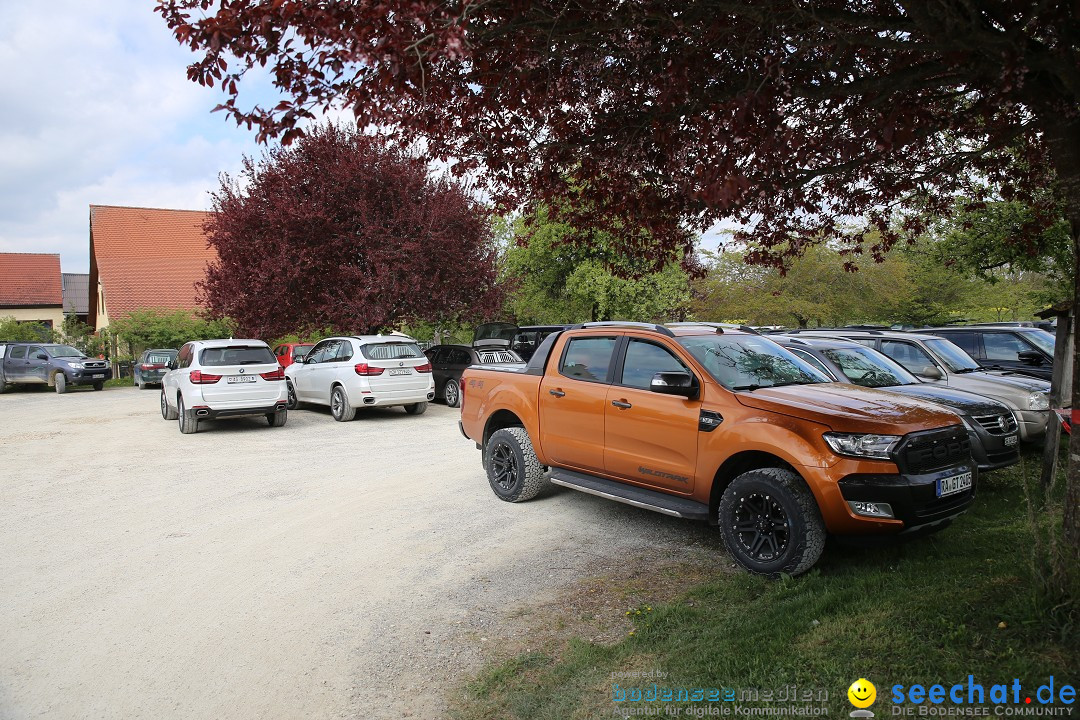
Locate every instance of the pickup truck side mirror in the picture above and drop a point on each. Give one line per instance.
(930, 373)
(41, 356)
(675, 383)
(1030, 357)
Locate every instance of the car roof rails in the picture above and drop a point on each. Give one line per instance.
(624, 323)
(796, 341)
(719, 327)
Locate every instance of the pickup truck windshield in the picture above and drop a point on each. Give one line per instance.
(740, 362)
(62, 351)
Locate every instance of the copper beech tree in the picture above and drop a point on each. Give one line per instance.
(802, 120)
(341, 231)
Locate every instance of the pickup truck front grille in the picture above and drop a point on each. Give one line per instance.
(997, 424)
(90, 364)
(932, 450)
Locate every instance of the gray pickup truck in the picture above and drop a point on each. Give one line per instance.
(58, 366)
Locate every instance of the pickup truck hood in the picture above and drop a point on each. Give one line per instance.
(849, 408)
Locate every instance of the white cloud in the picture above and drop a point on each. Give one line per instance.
(99, 110)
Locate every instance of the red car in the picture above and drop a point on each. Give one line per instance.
(288, 353)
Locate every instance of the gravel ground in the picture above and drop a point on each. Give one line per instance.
(318, 570)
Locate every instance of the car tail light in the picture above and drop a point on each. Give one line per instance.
(461, 393)
(365, 369)
(278, 374)
(198, 377)
(426, 367)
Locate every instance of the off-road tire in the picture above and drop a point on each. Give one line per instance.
(340, 407)
(188, 421)
(99, 385)
(3, 382)
(779, 499)
(292, 402)
(452, 393)
(513, 470)
(416, 408)
(60, 383)
(277, 419)
(167, 413)
(142, 385)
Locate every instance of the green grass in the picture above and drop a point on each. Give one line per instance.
(934, 610)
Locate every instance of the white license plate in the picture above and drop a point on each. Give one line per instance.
(401, 371)
(241, 379)
(1011, 441)
(954, 484)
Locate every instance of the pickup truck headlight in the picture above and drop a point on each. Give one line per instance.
(859, 445)
(75, 364)
(1038, 401)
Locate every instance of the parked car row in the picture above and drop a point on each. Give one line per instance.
(778, 440)
(210, 379)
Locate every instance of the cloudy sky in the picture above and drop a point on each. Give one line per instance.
(99, 111)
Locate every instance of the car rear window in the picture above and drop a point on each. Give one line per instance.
(301, 350)
(391, 351)
(161, 358)
(236, 355)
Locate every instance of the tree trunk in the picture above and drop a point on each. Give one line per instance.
(1063, 140)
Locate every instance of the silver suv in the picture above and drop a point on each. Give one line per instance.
(350, 372)
(937, 360)
(211, 379)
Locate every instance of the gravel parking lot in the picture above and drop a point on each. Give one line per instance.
(317, 570)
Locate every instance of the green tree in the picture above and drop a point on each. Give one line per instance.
(551, 280)
(79, 335)
(162, 328)
(13, 330)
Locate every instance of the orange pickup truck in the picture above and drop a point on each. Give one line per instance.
(717, 423)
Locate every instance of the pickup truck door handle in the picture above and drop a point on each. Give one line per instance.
(557, 393)
(621, 405)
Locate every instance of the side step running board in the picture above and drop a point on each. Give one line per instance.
(631, 495)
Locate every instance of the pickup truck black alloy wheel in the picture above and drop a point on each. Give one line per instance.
(771, 523)
(513, 470)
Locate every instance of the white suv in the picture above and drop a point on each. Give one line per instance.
(223, 378)
(363, 371)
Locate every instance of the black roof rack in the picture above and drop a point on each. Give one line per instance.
(796, 341)
(625, 323)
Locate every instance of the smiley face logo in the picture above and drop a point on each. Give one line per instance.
(862, 693)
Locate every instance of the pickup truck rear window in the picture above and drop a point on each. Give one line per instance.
(588, 358)
(237, 355)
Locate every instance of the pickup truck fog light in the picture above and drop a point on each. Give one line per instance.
(871, 509)
(857, 445)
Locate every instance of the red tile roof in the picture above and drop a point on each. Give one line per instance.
(30, 280)
(148, 258)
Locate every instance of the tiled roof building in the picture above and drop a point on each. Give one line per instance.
(30, 288)
(144, 258)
